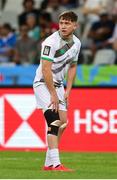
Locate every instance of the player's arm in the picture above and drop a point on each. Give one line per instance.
(70, 78)
(47, 74)
(48, 77)
(72, 73)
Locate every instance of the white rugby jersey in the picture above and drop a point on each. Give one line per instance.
(61, 53)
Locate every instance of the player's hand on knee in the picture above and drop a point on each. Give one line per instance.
(54, 102)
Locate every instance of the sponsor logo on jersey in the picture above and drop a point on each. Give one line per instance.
(46, 50)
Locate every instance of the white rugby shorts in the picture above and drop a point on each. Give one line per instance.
(43, 97)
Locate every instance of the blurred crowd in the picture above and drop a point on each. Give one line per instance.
(97, 30)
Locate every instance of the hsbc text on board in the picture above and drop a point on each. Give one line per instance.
(92, 120)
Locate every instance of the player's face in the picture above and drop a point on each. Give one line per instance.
(66, 27)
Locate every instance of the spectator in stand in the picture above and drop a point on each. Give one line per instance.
(69, 4)
(112, 42)
(115, 40)
(26, 48)
(46, 24)
(28, 8)
(114, 9)
(115, 45)
(114, 37)
(101, 31)
(0, 30)
(54, 8)
(43, 5)
(34, 30)
(91, 10)
(7, 43)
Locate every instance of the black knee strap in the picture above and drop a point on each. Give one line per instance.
(53, 130)
(50, 117)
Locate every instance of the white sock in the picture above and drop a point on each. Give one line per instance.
(54, 155)
(48, 161)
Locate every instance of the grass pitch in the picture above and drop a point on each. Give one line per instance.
(28, 165)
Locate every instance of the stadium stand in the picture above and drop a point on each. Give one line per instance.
(47, 23)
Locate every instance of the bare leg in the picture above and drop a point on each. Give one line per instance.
(63, 118)
(53, 152)
(52, 141)
(52, 144)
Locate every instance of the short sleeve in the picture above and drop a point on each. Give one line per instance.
(47, 51)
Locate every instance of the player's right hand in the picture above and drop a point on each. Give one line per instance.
(54, 102)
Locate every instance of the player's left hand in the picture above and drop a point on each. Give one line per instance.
(66, 97)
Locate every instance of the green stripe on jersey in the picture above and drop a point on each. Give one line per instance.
(47, 59)
(63, 49)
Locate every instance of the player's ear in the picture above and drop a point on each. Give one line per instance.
(76, 25)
